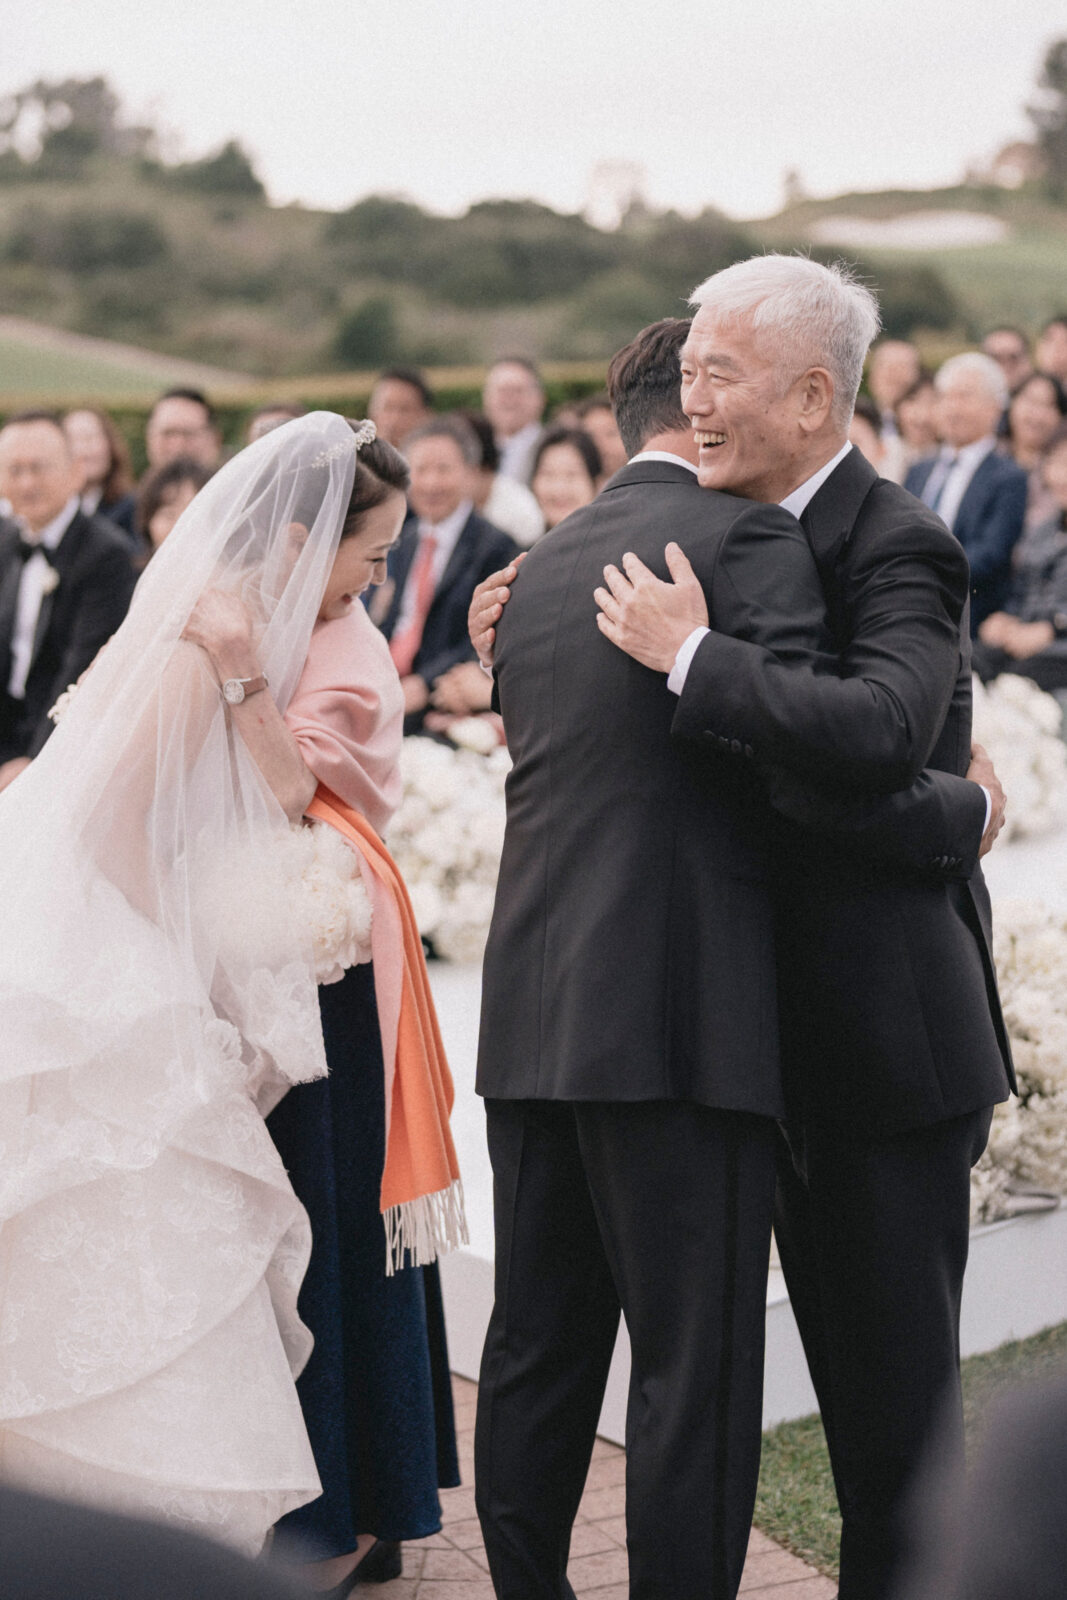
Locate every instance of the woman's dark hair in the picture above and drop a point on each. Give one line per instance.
(483, 431)
(578, 440)
(380, 471)
(118, 479)
(156, 484)
(1059, 394)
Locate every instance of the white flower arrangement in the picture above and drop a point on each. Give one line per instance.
(447, 838)
(1025, 1164)
(1019, 725)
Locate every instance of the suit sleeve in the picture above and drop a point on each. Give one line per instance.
(933, 828)
(871, 723)
(496, 555)
(106, 590)
(996, 532)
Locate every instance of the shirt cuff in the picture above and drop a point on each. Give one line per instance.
(684, 660)
(988, 807)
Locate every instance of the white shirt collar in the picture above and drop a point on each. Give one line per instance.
(53, 531)
(969, 455)
(799, 500)
(448, 530)
(662, 455)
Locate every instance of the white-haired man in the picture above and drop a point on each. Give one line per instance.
(892, 1043)
(977, 492)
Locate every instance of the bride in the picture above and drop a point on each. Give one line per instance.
(159, 958)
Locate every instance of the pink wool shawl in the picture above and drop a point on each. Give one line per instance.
(347, 716)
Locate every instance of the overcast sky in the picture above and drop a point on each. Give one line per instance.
(450, 101)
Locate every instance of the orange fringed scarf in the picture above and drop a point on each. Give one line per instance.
(421, 1192)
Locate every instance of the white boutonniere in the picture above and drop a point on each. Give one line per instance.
(49, 582)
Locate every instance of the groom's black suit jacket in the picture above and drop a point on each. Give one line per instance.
(96, 580)
(631, 950)
(890, 1016)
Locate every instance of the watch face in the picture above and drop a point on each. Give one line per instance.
(233, 690)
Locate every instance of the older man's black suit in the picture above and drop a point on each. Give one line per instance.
(629, 1055)
(96, 580)
(894, 1049)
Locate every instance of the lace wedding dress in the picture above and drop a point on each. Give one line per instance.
(151, 1247)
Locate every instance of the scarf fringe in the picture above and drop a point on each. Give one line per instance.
(425, 1228)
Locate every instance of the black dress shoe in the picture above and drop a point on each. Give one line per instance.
(382, 1563)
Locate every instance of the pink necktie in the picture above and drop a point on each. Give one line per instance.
(404, 647)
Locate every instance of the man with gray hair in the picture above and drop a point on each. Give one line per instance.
(977, 492)
(894, 1050)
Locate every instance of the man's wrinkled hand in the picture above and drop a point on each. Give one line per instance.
(647, 618)
(487, 607)
(981, 771)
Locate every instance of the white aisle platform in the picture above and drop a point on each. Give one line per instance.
(1017, 1278)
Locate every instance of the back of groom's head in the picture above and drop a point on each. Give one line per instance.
(644, 382)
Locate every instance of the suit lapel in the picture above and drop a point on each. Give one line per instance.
(62, 560)
(10, 575)
(831, 513)
(975, 489)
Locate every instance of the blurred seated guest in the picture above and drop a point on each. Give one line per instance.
(163, 496)
(107, 479)
(504, 502)
(977, 492)
(400, 401)
(275, 414)
(1030, 635)
(566, 473)
(1050, 352)
(917, 419)
(1001, 1533)
(1035, 412)
(444, 551)
(65, 582)
(1010, 349)
(864, 434)
(513, 399)
(56, 1550)
(895, 365)
(182, 423)
(597, 418)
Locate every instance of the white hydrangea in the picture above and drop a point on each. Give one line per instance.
(448, 834)
(1028, 1141)
(1019, 725)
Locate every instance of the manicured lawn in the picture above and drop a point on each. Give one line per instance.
(795, 1504)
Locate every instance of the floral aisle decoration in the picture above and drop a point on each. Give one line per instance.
(447, 837)
(1025, 1165)
(1020, 727)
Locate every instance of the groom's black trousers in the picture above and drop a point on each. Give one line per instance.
(873, 1235)
(662, 1208)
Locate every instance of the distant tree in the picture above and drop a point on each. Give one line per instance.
(228, 172)
(51, 129)
(1049, 117)
(83, 240)
(368, 336)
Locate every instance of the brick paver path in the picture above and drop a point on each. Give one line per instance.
(452, 1565)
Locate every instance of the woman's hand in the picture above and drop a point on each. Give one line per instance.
(464, 688)
(221, 624)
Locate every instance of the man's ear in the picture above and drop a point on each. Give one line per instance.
(816, 399)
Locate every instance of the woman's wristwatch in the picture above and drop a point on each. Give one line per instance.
(235, 690)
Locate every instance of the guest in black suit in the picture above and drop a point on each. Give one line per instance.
(978, 493)
(65, 583)
(55, 1550)
(894, 1050)
(444, 551)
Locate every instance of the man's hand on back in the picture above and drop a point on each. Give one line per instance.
(981, 771)
(486, 608)
(647, 618)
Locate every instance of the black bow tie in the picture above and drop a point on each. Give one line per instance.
(24, 549)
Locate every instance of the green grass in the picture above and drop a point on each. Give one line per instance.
(795, 1503)
(43, 372)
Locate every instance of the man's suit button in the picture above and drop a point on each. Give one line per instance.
(709, 735)
(749, 750)
(735, 746)
(723, 741)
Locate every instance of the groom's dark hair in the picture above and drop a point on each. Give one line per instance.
(644, 383)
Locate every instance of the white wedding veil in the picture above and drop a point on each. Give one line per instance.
(155, 999)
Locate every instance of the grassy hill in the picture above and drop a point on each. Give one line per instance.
(1022, 278)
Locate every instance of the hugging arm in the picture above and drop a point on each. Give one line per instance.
(872, 720)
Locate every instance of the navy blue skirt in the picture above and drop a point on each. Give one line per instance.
(375, 1393)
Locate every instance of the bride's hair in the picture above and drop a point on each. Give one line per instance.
(380, 471)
